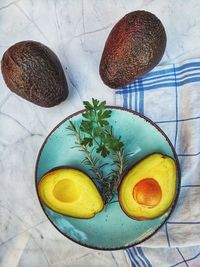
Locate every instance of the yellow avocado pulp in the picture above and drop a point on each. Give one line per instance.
(70, 192)
(148, 190)
(66, 191)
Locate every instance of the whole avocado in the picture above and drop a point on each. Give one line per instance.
(134, 46)
(32, 71)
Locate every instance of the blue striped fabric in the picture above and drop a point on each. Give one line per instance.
(170, 96)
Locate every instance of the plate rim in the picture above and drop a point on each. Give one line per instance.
(175, 157)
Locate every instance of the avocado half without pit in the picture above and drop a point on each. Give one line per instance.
(149, 188)
(70, 192)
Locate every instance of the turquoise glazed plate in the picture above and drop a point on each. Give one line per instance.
(110, 229)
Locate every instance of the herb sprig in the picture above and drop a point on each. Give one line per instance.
(95, 126)
(95, 134)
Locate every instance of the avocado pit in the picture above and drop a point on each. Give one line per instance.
(147, 192)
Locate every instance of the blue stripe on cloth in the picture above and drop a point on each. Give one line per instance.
(137, 257)
(193, 258)
(140, 257)
(179, 79)
(158, 86)
(190, 259)
(189, 155)
(125, 102)
(132, 259)
(167, 235)
(182, 222)
(155, 78)
(144, 257)
(130, 101)
(136, 96)
(141, 102)
(133, 252)
(164, 71)
(176, 93)
(179, 120)
(190, 185)
(186, 68)
(182, 256)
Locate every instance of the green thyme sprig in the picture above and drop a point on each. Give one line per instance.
(95, 134)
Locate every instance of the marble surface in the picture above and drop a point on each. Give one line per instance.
(76, 31)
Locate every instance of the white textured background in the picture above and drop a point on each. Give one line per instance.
(76, 31)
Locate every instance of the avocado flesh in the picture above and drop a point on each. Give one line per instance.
(70, 192)
(149, 188)
(33, 71)
(134, 46)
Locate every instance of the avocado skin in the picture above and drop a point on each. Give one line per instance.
(134, 46)
(32, 71)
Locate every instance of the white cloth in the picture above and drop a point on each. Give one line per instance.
(170, 96)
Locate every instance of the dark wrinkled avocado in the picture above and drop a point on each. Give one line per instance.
(33, 71)
(134, 46)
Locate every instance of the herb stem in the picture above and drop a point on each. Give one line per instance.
(95, 169)
(120, 155)
(87, 153)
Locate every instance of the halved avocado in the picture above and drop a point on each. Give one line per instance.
(149, 188)
(70, 192)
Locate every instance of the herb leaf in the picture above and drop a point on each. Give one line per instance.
(86, 126)
(106, 114)
(87, 105)
(95, 103)
(87, 141)
(102, 105)
(103, 151)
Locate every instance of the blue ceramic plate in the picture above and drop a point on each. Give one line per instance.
(110, 229)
